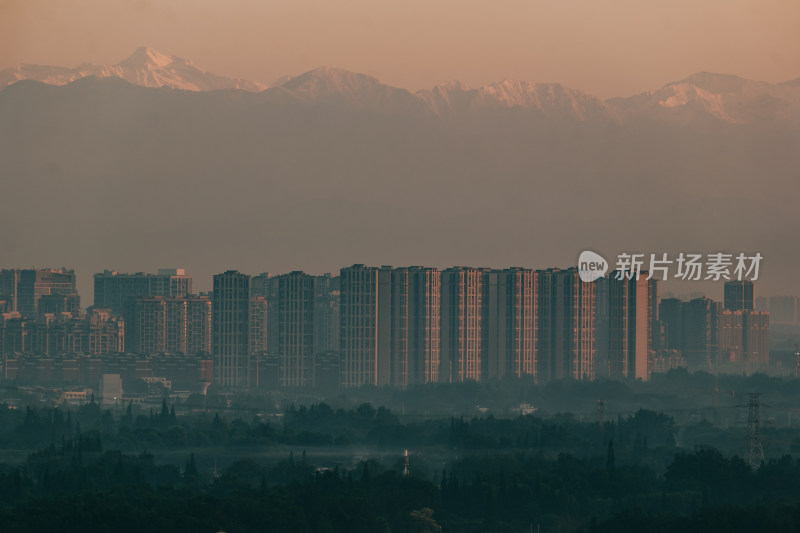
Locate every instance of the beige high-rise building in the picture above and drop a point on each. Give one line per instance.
(415, 325)
(632, 313)
(462, 325)
(98, 333)
(567, 325)
(22, 288)
(296, 330)
(165, 325)
(148, 324)
(231, 328)
(390, 325)
(116, 291)
(259, 316)
(326, 314)
(265, 285)
(358, 334)
(510, 323)
(198, 325)
(744, 338)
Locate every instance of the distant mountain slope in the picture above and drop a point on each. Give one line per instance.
(701, 97)
(145, 67)
(340, 87)
(720, 96)
(551, 99)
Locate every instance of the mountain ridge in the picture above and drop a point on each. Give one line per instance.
(700, 96)
(145, 67)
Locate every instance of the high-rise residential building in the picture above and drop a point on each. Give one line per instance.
(296, 330)
(632, 326)
(399, 337)
(358, 334)
(461, 357)
(744, 338)
(231, 328)
(415, 327)
(114, 290)
(670, 310)
(384, 320)
(265, 285)
(198, 324)
(426, 324)
(567, 317)
(166, 325)
(175, 325)
(756, 338)
(510, 323)
(9, 283)
(739, 295)
(700, 330)
(259, 322)
(98, 333)
(654, 316)
(262, 285)
(147, 326)
(23, 288)
(58, 304)
(326, 314)
(731, 336)
(390, 325)
(102, 333)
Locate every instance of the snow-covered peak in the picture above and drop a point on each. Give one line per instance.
(329, 85)
(332, 79)
(722, 97)
(547, 98)
(146, 67)
(144, 57)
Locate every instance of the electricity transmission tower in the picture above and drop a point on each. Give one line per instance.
(756, 450)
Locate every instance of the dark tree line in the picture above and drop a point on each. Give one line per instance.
(78, 486)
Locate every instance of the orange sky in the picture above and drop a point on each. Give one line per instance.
(605, 47)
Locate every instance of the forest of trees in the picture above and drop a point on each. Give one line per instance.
(323, 467)
(78, 486)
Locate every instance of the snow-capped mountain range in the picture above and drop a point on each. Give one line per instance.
(145, 67)
(701, 96)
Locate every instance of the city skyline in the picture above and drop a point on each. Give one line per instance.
(686, 289)
(396, 326)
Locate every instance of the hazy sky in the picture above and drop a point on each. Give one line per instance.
(605, 47)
